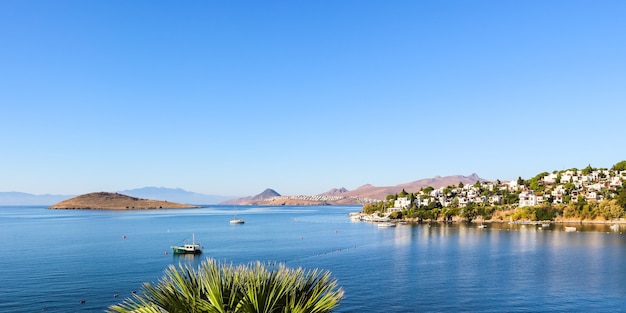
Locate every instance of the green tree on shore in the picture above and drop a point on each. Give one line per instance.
(621, 197)
(619, 166)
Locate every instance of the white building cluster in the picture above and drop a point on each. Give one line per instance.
(322, 198)
(557, 187)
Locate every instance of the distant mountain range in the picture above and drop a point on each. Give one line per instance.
(357, 196)
(174, 195)
(21, 198)
(379, 193)
(152, 193)
(333, 196)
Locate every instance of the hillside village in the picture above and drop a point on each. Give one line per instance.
(596, 186)
(573, 193)
(589, 193)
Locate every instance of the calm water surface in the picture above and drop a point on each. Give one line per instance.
(51, 260)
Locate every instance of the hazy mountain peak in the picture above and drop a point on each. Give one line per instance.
(334, 192)
(267, 193)
(474, 176)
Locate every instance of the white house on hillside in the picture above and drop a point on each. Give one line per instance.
(527, 198)
(400, 204)
(550, 178)
(566, 179)
(512, 185)
(496, 199)
(615, 182)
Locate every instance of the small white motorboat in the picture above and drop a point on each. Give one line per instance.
(355, 216)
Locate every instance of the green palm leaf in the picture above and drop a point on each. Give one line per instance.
(216, 287)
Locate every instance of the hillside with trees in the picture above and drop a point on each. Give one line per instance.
(589, 194)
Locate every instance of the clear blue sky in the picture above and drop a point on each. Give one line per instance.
(232, 97)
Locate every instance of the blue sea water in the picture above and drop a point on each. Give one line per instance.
(52, 260)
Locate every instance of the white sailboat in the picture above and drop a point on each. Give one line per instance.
(236, 220)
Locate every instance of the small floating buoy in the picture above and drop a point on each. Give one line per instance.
(123, 236)
(116, 295)
(82, 301)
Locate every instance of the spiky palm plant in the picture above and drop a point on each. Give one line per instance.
(217, 287)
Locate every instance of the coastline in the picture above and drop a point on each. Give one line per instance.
(500, 220)
(521, 222)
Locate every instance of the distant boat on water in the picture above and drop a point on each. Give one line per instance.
(188, 248)
(236, 220)
(386, 224)
(355, 216)
(570, 228)
(615, 227)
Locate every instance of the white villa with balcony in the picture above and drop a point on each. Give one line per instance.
(400, 204)
(527, 198)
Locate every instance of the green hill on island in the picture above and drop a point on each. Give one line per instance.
(115, 201)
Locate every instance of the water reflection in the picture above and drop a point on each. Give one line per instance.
(525, 256)
(187, 257)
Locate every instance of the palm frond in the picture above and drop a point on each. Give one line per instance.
(217, 287)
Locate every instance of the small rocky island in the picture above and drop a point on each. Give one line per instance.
(115, 201)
